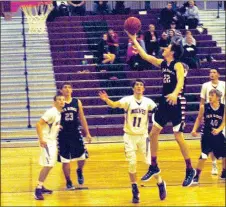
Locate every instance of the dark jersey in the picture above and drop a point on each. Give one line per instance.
(69, 117)
(169, 76)
(212, 118)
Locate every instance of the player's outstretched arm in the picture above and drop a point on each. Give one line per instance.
(84, 122)
(39, 128)
(198, 121)
(104, 97)
(221, 127)
(152, 59)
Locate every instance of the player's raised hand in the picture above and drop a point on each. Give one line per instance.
(194, 133)
(171, 99)
(132, 37)
(103, 95)
(215, 131)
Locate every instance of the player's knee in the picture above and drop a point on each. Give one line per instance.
(179, 128)
(203, 156)
(132, 168)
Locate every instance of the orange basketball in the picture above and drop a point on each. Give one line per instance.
(132, 25)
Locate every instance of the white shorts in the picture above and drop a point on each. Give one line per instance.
(48, 156)
(140, 143)
(64, 160)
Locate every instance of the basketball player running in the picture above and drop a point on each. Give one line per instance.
(47, 129)
(70, 141)
(171, 106)
(214, 83)
(212, 139)
(136, 109)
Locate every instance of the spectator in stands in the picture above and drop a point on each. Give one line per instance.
(173, 27)
(77, 8)
(190, 54)
(167, 15)
(120, 8)
(188, 34)
(113, 42)
(172, 36)
(101, 7)
(192, 15)
(151, 41)
(104, 55)
(164, 42)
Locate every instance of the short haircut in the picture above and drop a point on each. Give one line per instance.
(177, 49)
(65, 83)
(137, 80)
(57, 95)
(217, 92)
(218, 71)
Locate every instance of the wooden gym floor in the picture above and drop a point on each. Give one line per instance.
(107, 178)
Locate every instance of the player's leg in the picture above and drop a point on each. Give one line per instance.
(130, 153)
(223, 174)
(214, 170)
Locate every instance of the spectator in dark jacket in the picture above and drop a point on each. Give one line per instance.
(164, 42)
(167, 15)
(113, 42)
(101, 7)
(77, 8)
(151, 41)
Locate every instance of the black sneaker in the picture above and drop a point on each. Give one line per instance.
(162, 190)
(38, 194)
(46, 191)
(190, 174)
(151, 172)
(80, 176)
(223, 175)
(136, 194)
(195, 180)
(70, 186)
(86, 153)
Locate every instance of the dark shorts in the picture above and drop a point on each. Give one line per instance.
(215, 144)
(171, 113)
(70, 145)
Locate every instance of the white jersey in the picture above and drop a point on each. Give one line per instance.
(52, 118)
(208, 86)
(136, 114)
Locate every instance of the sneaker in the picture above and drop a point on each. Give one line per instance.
(151, 172)
(214, 169)
(162, 190)
(38, 194)
(46, 191)
(80, 176)
(70, 186)
(86, 153)
(136, 194)
(195, 180)
(223, 175)
(190, 174)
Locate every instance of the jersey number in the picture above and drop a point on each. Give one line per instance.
(166, 78)
(136, 122)
(214, 123)
(69, 117)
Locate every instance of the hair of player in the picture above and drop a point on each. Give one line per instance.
(177, 49)
(138, 80)
(215, 91)
(64, 84)
(57, 95)
(218, 71)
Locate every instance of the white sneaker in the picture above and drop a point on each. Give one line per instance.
(214, 169)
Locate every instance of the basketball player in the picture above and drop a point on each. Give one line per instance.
(70, 141)
(136, 109)
(171, 106)
(212, 139)
(47, 129)
(214, 83)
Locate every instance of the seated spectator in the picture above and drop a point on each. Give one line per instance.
(151, 41)
(172, 36)
(101, 7)
(187, 34)
(192, 15)
(104, 55)
(113, 42)
(164, 42)
(190, 52)
(173, 27)
(77, 8)
(120, 8)
(167, 15)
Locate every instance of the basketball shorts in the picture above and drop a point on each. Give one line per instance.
(48, 155)
(71, 147)
(170, 113)
(134, 143)
(215, 144)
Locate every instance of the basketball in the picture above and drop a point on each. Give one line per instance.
(132, 25)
